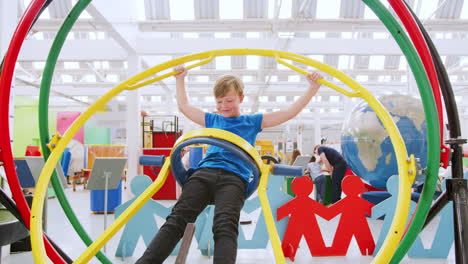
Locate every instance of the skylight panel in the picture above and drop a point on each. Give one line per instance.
(294, 78)
(140, 10)
(253, 62)
(285, 9)
(223, 63)
(272, 78)
(67, 78)
(89, 78)
(112, 77)
(271, 8)
(39, 65)
(39, 35)
(182, 10)
(346, 35)
(252, 35)
(362, 78)
(70, 36)
(376, 62)
(202, 78)
(163, 35)
(247, 78)
(328, 9)
(45, 14)
(281, 99)
(464, 11)
(229, 9)
(286, 34)
(190, 35)
(403, 64)
(85, 15)
(381, 35)
(317, 35)
(97, 64)
(105, 65)
(92, 35)
(71, 65)
(384, 78)
(428, 9)
(344, 62)
(101, 35)
(222, 35)
(263, 99)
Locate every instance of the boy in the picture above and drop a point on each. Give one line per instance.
(221, 178)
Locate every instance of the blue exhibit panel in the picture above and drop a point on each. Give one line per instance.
(114, 199)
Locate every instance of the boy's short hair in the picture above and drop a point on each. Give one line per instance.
(224, 84)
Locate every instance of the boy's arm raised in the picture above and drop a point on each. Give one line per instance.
(191, 112)
(279, 117)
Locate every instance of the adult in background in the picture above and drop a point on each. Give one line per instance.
(337, 167)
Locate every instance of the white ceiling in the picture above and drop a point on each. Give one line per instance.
(344, 34)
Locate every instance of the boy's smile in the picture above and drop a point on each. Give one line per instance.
(228, 105)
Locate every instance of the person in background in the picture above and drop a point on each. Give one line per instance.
(337, 167)
(221, 178)
(315, 171)
(296, 153)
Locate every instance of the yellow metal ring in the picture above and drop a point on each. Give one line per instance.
(146, 77)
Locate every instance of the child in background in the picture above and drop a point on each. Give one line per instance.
(315, 172)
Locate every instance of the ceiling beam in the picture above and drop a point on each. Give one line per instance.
(153, 46)
(252, 25)
(286, 25)
(92, 50)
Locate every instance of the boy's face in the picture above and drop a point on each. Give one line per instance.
(228, 105)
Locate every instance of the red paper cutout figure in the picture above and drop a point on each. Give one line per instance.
(302, 221)
(353, 220)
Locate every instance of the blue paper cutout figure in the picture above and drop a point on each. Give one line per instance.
(260, 237)
(387, 208)
(143, 222)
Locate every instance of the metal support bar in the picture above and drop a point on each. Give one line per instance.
(458, 193)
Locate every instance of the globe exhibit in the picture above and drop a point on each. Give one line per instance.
(366, 145)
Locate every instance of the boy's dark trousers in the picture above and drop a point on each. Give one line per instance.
(222, 188)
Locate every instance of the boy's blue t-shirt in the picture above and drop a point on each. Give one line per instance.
(245, 126)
